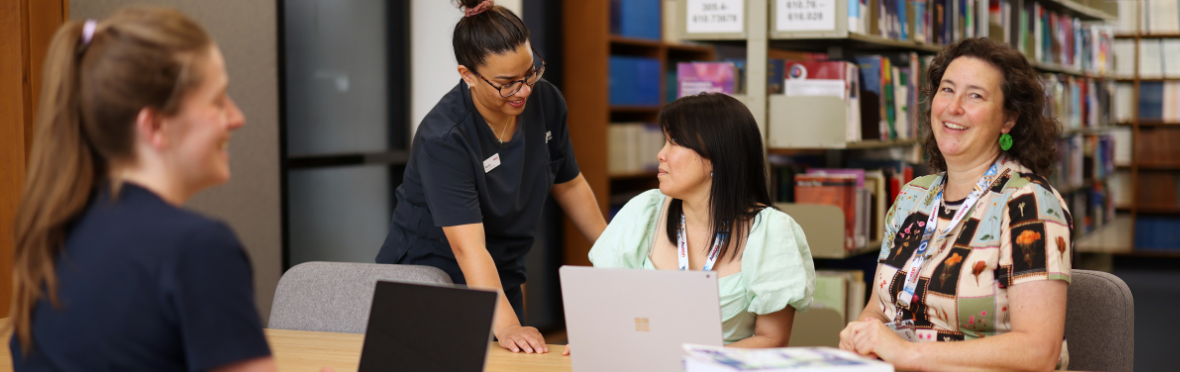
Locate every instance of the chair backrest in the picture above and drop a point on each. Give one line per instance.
(1099, 322)
(337, 296)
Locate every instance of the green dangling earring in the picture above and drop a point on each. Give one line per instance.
(1005, 141)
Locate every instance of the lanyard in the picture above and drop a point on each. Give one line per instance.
(682, 246)
(922, 253)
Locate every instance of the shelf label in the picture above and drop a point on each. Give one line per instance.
(716, 16)
(805, 15)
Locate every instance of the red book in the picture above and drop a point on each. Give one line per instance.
(837, 190)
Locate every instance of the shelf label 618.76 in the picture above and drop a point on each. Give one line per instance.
(805, 15)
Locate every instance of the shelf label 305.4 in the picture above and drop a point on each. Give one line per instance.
(715, 16)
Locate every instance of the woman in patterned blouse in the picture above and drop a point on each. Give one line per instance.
(995, 275)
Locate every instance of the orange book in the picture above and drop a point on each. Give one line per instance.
(832, 189)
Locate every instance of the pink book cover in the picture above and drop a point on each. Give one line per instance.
(696, 77)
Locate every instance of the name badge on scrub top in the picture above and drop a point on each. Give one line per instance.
(491, 163)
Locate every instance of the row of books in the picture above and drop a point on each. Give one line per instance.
(1091, 208)
(848, 190)
(1159, 189)
(880, 92)
(1157, 58)
(1079, 102)
(1100, 154)
(1157, 232)
(634, 81)
(1049, 37)
(890, 86)
(1081, 158)
(863, 194)
(633, 147)
(925, 21)
(636, 18)
(1149, 16)
(1157, 146)
(1159, 101)
(1068, 172)
(1043, 35)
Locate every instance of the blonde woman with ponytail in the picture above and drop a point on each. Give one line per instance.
(110, 272)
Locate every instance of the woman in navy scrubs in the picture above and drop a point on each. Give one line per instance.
(483, 162)
(110, 273)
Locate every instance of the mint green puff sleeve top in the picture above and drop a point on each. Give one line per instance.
(777, 269)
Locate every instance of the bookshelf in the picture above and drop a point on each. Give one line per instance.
(589, 44)
(1148, 168)
(841, 42)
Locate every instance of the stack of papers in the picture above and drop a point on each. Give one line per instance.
(718, 359)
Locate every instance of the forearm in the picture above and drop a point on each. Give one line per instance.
(758, 341)
(1013, 351)
(470, 248)
(770, 330)
(577, 200)
(480, 271)
(873, 308)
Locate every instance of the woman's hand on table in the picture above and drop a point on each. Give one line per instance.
(872, 338)
(527, 339)
(567, 350)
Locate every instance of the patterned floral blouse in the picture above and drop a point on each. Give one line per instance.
(1018, 233)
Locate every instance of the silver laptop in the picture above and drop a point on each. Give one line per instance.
(637, 320)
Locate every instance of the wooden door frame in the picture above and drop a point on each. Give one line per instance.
(26, 27)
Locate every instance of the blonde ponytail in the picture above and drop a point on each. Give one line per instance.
(90, 98)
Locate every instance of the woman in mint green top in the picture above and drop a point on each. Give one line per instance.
(712, 178)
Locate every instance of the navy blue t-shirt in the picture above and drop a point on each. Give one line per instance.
(146, 286)
(445, 182)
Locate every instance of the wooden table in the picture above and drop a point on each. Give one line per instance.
(298, 351)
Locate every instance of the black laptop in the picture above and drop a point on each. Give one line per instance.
(424, 327)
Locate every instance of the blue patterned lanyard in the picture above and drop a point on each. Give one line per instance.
(682, 247)
(923, 253)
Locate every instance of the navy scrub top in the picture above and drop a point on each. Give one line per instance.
(445, 183)
(145, 286)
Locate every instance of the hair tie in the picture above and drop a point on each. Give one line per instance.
(482, 7)
(88, 31)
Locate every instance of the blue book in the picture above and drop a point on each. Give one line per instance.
(1151, 100)
(903, 34)
(616, 21)
(647, 71)
(640, 18)
(872, 99)
(622, 80)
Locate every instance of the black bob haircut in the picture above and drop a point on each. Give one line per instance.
(721, 130)
(495, 31)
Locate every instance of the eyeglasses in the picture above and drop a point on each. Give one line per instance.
(507, 90)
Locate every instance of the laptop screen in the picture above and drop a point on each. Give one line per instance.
(427, 327)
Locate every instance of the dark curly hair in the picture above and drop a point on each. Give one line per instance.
(1035, 135)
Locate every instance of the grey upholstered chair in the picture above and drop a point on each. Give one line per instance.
(337, 296)
(1100, 323)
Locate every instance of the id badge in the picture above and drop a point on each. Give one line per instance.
(903, 329)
